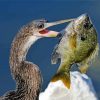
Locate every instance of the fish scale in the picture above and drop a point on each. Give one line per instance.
(78, 45)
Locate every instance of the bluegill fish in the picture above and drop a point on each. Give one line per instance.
(78, 45)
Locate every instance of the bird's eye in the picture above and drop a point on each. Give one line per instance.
(40, 26)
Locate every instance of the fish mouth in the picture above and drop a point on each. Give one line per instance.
(76, 21)
(84, 17)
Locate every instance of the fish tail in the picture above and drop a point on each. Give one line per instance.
(64, 77)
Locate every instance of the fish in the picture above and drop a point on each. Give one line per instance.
(78, 45)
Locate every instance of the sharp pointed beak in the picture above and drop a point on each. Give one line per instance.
(50, 33)
(58, 22)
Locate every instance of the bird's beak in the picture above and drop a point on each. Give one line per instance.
(49, 33)
(58, 22)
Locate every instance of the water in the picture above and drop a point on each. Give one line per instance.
(15, 13)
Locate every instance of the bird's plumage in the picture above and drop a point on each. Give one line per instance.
(26, 74)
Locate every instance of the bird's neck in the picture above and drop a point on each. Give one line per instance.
(20, 47)
(26, 74)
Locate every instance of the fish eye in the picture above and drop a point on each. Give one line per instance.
(83, 38)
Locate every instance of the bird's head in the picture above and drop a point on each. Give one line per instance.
(39, 28)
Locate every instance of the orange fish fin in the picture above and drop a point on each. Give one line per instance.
(64, 77)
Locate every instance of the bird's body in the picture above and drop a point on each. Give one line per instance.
(26, 74)
(78, 45)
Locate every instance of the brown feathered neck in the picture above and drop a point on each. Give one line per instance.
(26, 74)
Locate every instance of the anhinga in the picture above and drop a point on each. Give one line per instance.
(26, 74)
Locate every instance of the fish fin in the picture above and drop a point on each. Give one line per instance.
(55, 57)
(84, 65)
(64, 77)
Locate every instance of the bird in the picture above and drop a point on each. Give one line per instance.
(27, 75)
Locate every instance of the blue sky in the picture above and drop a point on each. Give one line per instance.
(16, 13)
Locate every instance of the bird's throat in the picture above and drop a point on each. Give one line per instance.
(19, 49)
